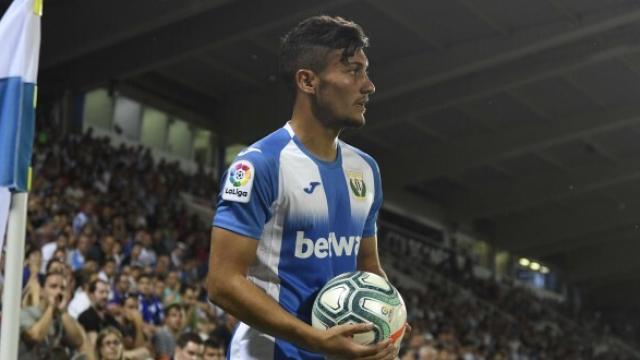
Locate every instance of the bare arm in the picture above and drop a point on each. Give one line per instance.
(139, 353)
(73, 332)
(32, 292)
(368, 259)
(136, 318)
(37, 332)
(230, 258)
(92, 337)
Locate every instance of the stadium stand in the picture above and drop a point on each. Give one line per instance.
(98, 211)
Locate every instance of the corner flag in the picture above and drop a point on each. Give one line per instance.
(19, 52)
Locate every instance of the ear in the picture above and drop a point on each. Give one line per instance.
(306, 81)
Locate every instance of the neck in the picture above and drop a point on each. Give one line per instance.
(320, 140)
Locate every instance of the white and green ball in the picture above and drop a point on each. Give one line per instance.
(361, 297)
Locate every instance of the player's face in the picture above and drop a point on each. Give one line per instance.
(343, 91)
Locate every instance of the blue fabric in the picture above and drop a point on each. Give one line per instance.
(339, 230)
(151, 309)
(249, 219)
(17, 114)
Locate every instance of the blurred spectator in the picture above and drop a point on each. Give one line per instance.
(109, 345)
(172, 288)
(108, 270)
(50, 248)
(133, 259)
(77, 256)
(96, 317)
(148, 255)
(164, 339)
(120, 288)
(45, 326)
(150, 305)
(130, 320)
(213, 350)
(80, 301)
(189, 347)
(31, 278)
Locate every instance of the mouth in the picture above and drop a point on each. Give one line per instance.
(362, 104)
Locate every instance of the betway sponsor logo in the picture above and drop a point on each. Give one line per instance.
(331, 246)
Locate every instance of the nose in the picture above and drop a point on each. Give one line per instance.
(368, 88)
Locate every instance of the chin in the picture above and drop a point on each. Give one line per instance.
(353, 122)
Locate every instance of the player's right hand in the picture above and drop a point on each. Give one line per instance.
(337, 342)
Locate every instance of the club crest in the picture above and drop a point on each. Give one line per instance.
(357, 184)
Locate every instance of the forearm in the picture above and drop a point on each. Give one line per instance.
(32, 293)
(73, 331)
(139, 353)
(372, 267)
(139, 337)
(38, 331)
(368, 259)
(254, 307)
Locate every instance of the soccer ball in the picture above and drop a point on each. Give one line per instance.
(359, 297)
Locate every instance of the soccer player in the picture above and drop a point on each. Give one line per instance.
(299, 206)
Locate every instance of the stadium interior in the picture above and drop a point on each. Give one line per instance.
(506, 133)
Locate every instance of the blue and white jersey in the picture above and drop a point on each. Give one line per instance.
(308, 217)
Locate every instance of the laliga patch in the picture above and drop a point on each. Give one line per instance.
(239, 182)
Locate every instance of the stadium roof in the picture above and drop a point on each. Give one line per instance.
(517, 118)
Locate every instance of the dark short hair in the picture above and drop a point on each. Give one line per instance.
(188, 337)
(191, 287)
(171, 307)
(93, 286)
(144, 275)
(51, 262)
(108, 260)
(307, 45)
(213, 342)
(118, 276)
(32, 250)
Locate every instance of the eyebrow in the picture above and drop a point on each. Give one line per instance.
(357, 64)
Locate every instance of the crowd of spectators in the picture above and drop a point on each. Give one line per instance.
(115, 269)
(456, 315)
(115, 266)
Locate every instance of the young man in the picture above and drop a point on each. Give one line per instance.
(189, 347)
(213, 350)
(150, 305)
(299, 206)
(164, 339)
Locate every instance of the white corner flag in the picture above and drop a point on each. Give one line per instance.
(19, 53)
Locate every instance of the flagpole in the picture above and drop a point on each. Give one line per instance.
(12, 292)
